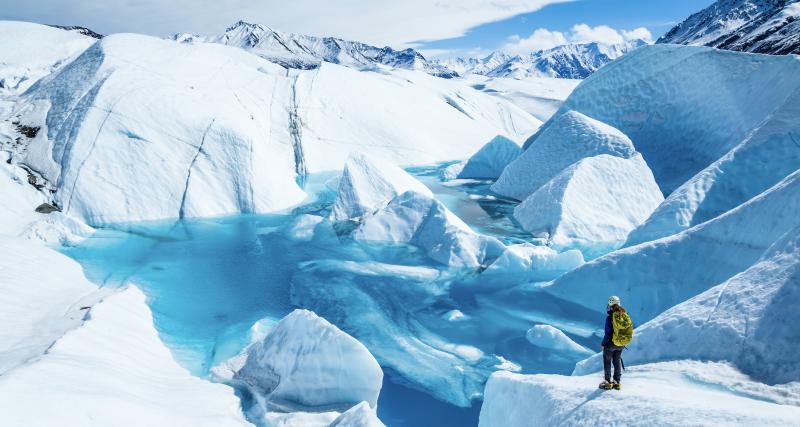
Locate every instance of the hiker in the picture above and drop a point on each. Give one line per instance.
(618, 334)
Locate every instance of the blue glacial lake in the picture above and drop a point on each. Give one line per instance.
(209, 280)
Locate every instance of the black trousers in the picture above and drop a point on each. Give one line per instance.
(612, 354)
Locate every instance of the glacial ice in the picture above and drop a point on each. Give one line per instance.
(425, 222)
(684, 107)
(361, 415)
(654, 276)
(306, 361)
(131, 100)
(552, 338)
(733, 179)
(565, 139)
(31, 51)
(369, 183)
(40, 292)
(659, 394)
(533, 263)
(113, 370)
(592, 205)
(491, 159)
(750, 320)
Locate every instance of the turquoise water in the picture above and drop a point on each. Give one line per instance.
(208, 280)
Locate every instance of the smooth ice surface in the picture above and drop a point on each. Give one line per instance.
(684, 107)
(750, 320)
(360, 415)
(546, 336)
(592, 205)
(41, 292)
(533, 263)
(425, 222)
(114, 370)
(767, 155)
(369, 183)
(654, 276)
(539, 96)
(489, 161)
(306, 361)
(659, 394)
(567, 138)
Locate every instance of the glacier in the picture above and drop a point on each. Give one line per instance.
(565, 139)
(658, 96)
(258, 241)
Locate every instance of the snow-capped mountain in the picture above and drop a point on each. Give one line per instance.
(477, 65)
(759, 26)
(307, 52)
(80, 30)
(570, 61)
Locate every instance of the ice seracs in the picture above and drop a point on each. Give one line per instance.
(592, 205)
(705, 255)
(679, 110)
(734, 178)
(489, 161)
(565, 139)
(369, 183)
(307, 362)
(425, 222)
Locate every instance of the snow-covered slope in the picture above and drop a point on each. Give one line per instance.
(661, 394)
(654, 276)
(223, 131)
(750, 320)
(760, 26)
(30, 51)
(114, 370)
(684, 107)
(539, 96)
(306, 52)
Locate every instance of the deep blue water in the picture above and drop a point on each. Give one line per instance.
(209, 280)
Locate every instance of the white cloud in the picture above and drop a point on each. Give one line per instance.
(638, 33)
(381, 22)
(581, 33)
(539, 40)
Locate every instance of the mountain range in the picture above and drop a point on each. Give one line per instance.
(758, 26)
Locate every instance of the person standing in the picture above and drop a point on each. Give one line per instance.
(618, 334)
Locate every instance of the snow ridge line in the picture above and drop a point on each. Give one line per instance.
(295, 125)
(191, 165)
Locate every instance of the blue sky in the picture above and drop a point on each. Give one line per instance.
(437, 27)
(658, 16)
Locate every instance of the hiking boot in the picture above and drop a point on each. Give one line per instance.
(616, 385)
(605, 385)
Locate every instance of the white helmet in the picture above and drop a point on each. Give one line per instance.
(613, 299)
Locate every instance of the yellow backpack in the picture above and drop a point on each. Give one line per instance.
(623, 329)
